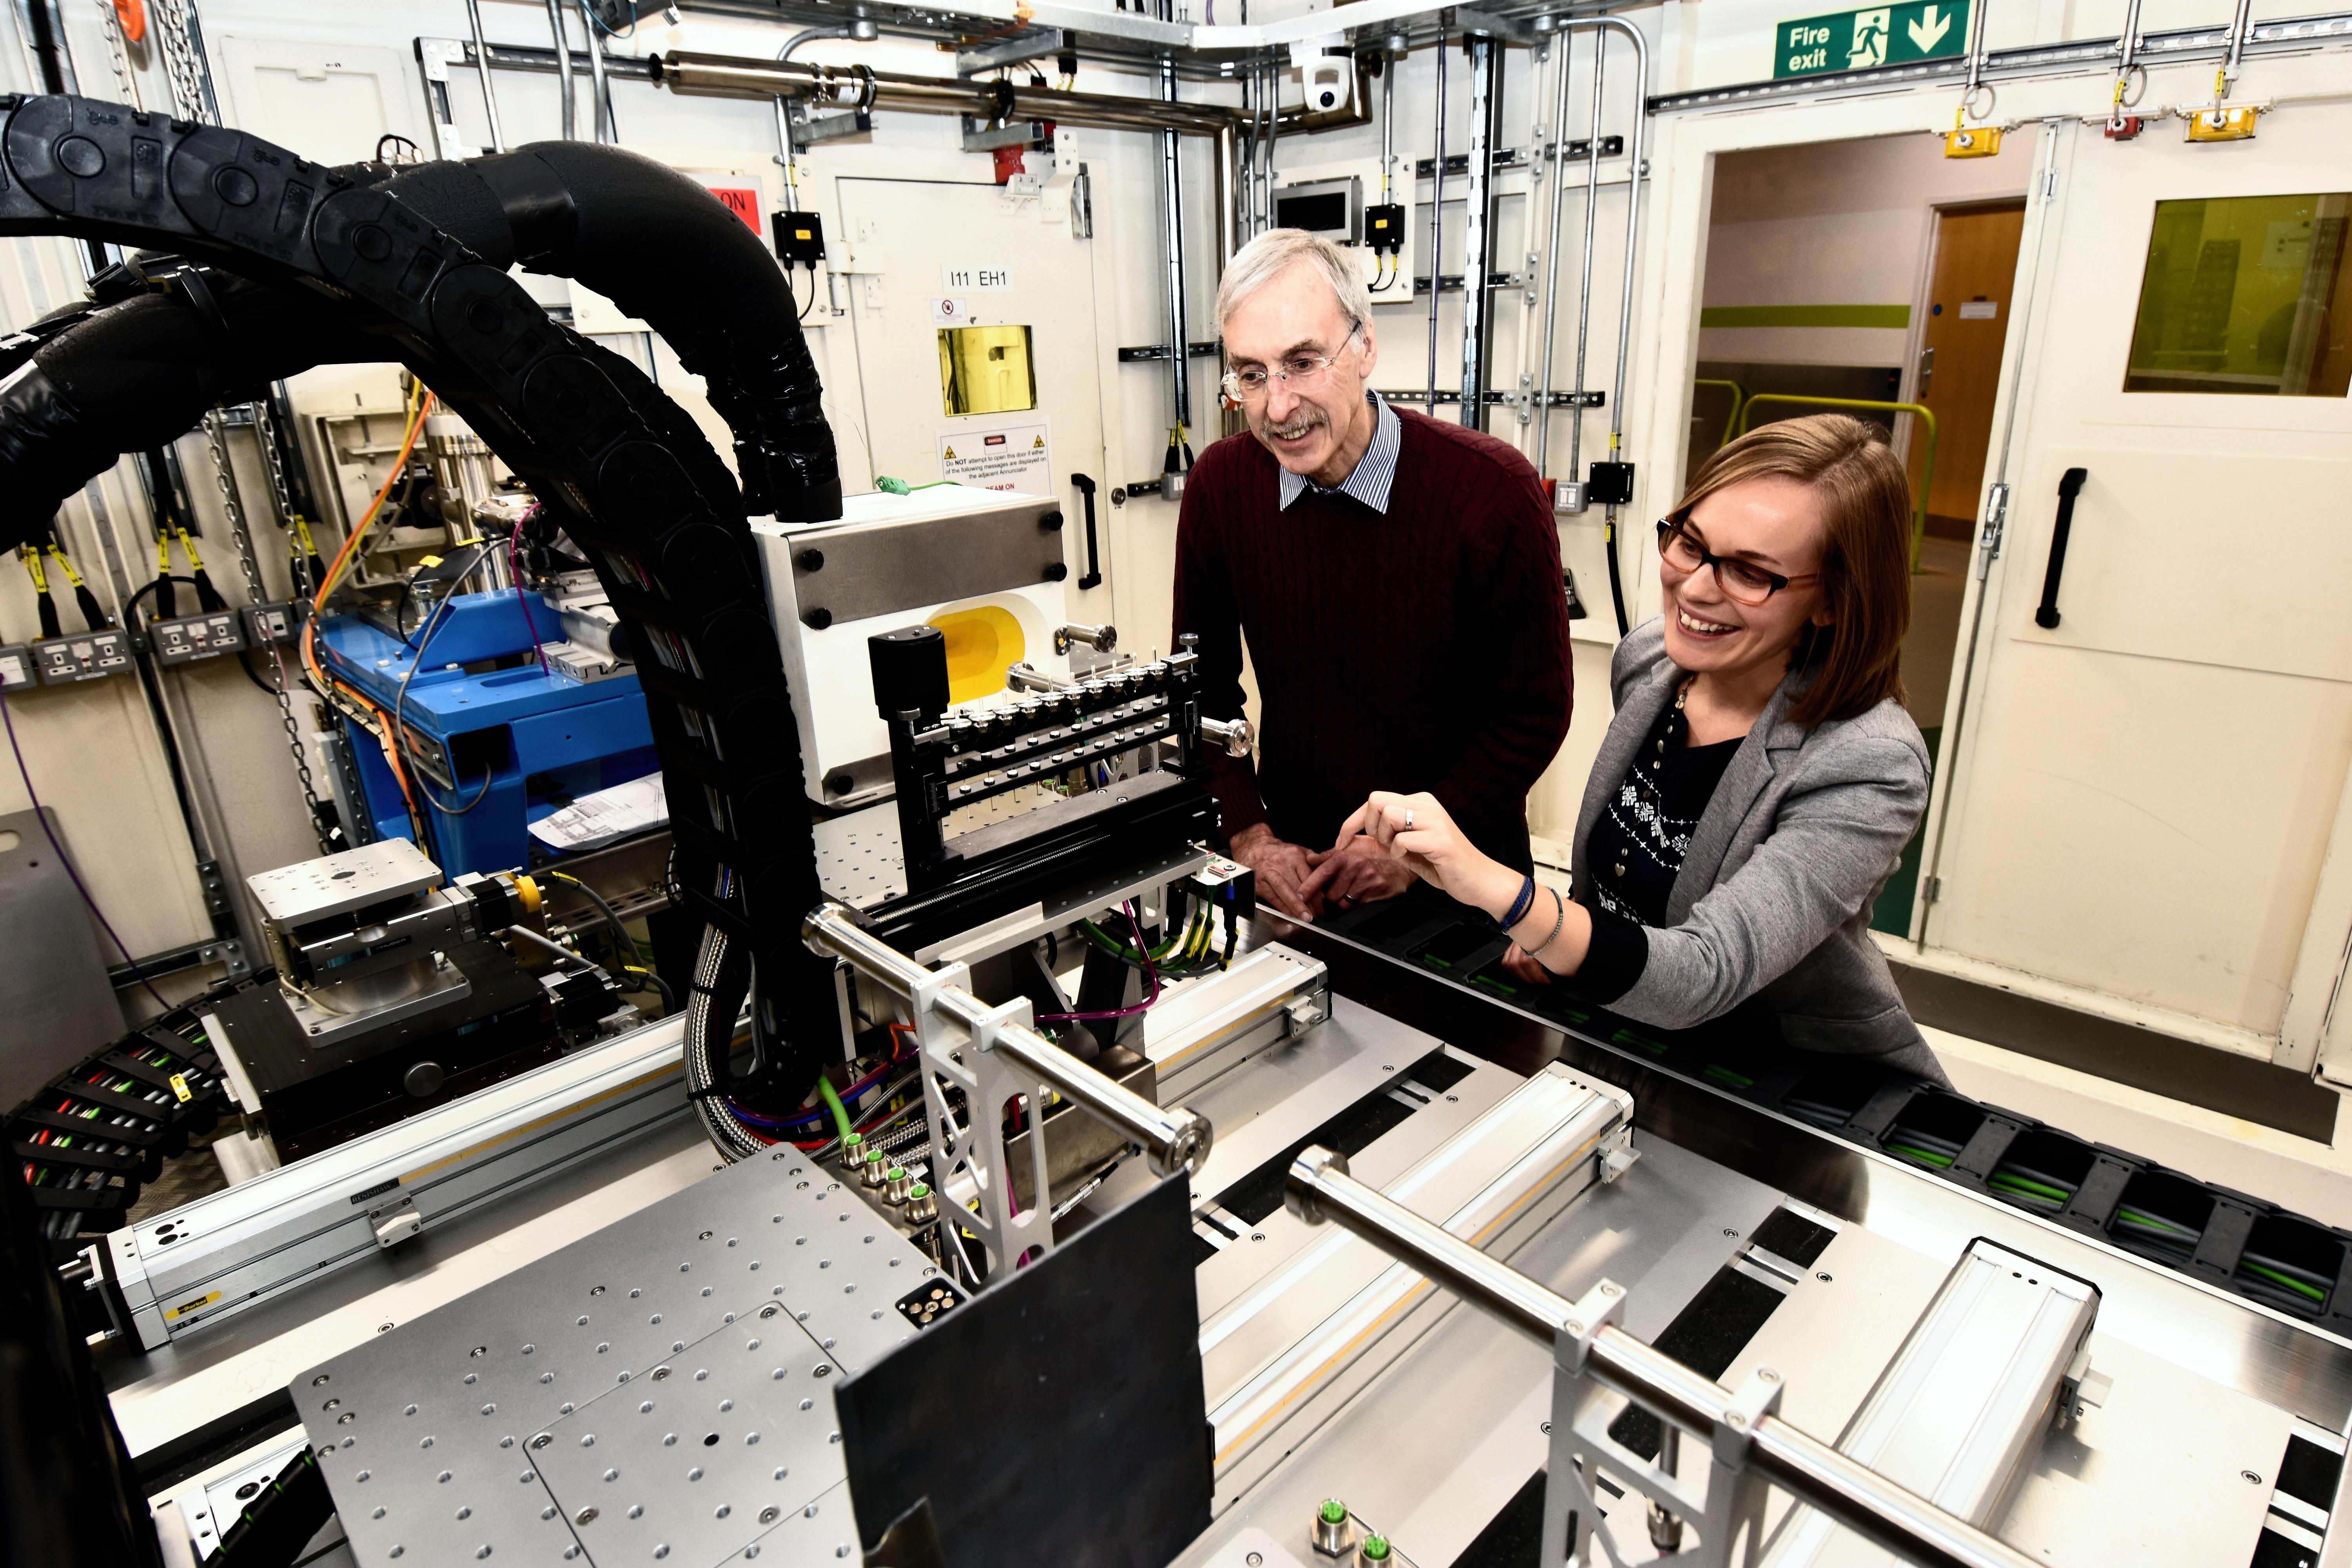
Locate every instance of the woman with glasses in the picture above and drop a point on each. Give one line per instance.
(1760, 777)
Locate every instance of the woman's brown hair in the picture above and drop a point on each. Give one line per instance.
(1865, 578)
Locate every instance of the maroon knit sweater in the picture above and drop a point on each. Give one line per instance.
(1422, 649)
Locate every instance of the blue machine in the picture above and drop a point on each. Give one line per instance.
(540, 738)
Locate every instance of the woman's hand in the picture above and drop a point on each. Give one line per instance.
(1415, 831)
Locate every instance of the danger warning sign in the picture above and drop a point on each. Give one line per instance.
(999, 457)
(745, 202)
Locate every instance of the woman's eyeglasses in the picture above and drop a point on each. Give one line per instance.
(1742, 582)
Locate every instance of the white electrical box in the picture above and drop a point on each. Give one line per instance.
(986, 567)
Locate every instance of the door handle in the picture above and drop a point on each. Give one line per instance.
(1092, 576)
(2070, 485)
(1927, 374)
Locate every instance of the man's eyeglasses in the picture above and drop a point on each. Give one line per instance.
(1742, 582)
(1249, 384)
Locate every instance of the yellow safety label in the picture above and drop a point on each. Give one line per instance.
(179, 1086)
(197, 1305)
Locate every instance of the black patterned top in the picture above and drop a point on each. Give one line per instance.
(1635, 850)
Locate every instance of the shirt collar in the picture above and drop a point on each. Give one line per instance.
(1375, 471)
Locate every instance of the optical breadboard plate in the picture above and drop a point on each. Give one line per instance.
(339, 883)
(659, 1392)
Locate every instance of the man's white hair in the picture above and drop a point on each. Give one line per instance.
(1275, 252)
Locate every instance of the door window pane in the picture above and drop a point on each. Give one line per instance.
(986, 370)
(2246, 294)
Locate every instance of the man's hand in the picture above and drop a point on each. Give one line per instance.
(1358, 871)
(1283, 871)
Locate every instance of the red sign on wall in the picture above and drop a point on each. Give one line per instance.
(745, 202)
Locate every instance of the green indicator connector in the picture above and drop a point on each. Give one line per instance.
(1333, 1511)
(920, 1190)
(851, 1145)
(1375, 1548)
(895, 1174)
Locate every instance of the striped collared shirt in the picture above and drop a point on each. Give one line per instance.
(1374, 472)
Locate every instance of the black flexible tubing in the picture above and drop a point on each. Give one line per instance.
(1616, 579)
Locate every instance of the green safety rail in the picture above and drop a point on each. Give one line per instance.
(1739, 399)
(1925, 415)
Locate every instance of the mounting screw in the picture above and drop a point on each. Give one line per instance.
(585, 1516)
(1728, 1231)
(817, 619)
(1051, 521)
(1823, 1278)
(810, 560)
(2251, 1479)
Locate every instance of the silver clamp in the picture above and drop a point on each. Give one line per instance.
(1102, 639)
(1233, 736)
(1752, 1401)
(1602, 1307)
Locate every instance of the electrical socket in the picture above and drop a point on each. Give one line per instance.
(17, 668)
(91, 656)
(190, 638)
(270, 623)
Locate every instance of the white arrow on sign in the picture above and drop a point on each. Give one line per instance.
(1928, 30)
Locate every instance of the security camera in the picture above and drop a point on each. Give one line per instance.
(1329, 85)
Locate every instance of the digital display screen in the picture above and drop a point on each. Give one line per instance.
(1323, 213)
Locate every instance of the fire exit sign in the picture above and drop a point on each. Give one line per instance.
(1876, 35)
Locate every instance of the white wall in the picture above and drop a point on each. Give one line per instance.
(94, 750)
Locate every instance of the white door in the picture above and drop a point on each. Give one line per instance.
(2138, 807)
(934, 256)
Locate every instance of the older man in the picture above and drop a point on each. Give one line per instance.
(1397, 578)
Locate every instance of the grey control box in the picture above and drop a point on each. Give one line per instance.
(192, 637)
(90, 657)
(17, 668)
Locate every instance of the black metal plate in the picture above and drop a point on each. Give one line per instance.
(1002, 1412)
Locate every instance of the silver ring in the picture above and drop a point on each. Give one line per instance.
(1408, 821)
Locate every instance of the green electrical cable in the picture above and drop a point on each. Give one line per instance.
(2275, 1278)
(2015, 1182)
(890, 486)
(833, 1103)
(2134, 1216)
(1925, 1156)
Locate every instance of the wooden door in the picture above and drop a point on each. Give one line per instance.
(1968, 301)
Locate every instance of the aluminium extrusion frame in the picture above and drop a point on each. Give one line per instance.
(1750, 1447)
(209, 1260)
(995, 1055)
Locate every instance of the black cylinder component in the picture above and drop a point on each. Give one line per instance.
(910, 670)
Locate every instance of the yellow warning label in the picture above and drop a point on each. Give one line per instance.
(197, 1305)
(179, 1086)
(948, 455)
(1037, 446)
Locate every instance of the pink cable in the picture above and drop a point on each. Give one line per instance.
(1135, 930)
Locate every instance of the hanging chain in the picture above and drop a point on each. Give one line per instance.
(281, 497)
(180, 61)
(124, 82)
(216, 434)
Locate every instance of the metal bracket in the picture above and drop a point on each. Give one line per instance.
(1020, 133)
(818, 128)
(1209, 350)
(1729, 1508)
(396, 1222)
(1031, 42)
(969, 1162)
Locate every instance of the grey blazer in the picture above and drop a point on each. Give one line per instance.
(1773, 901)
